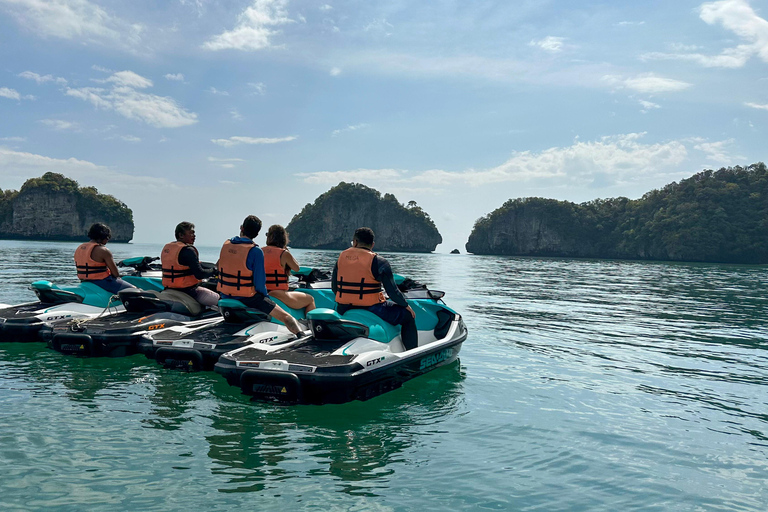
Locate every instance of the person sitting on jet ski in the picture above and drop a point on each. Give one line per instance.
(242, 276)
(278, 263)
(357, 280)
(94, 261)
(181, 266)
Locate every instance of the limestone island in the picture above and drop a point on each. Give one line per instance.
(713, 216)
(54, 207)
(331, 220)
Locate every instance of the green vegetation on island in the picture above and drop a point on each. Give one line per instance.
(331, 220)
(713, 216)
(54, 207)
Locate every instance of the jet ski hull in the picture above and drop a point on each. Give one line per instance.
(336, 384)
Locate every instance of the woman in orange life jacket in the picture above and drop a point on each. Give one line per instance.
(242, 276)
(278, 263)
(94, 261)
(357, 282)
(181, 266)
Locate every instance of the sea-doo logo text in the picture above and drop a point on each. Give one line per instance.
(374, 361)
(153, 327)
(267, 340)
(436, 358)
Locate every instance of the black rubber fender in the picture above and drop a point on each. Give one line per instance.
(73, 343)
(187, 359)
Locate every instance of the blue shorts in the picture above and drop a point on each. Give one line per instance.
(112, 284)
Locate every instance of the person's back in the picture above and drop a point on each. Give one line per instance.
(182, 271)
(242, 275)
(278, 262)
(94, 262)
(357, 282)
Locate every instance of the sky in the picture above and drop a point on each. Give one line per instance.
(208, 111)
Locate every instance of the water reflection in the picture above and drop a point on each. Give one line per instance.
(259, 445)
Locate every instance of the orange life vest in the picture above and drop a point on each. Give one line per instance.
(176, 275)
(355, 284)
(235, 278)
(277, 276)
(89, 269)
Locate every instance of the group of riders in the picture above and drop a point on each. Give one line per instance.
(253, 274)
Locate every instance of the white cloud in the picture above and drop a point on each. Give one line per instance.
(176, 77)
(738, 17)
(29, 75)
(11, 94)
(13, 139)
(130, 138)
(234, 141)
(254, 28)
(80, 20)
(58, 124)
(335, 71)
(219, 160)
(217, 92)
(381, 26)
(326, 7)
(350, 128)
(614, 159)
(647, 83)
(237, 116)
(258, 88)
(718, 151)
(757, 106)
(123, 98)
(630, 23)
(27, 165)
(550, 44)
(648, 106)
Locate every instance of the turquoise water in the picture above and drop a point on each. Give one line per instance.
(583, 385)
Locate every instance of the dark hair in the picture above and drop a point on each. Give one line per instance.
(182, 228)
(251, 226)
(364, 236)
(99, 231)
(277, 236)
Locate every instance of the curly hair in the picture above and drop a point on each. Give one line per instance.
(99, 231)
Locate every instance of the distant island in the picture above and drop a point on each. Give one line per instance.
(331, 220)
(54, 207)
(714, 216)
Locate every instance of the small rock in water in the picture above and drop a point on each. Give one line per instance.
(455, 251)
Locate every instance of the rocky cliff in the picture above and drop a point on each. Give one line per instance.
(713, 216)
(54, 207)
(331, 220)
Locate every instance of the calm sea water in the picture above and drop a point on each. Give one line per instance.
(583, 385)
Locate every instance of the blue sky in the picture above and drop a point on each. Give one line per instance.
(208, 111)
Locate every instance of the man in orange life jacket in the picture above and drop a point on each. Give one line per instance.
(94, 261)
(357, 280)
(242, 276)
(181, 266)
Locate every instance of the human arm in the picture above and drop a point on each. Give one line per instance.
(255, 263)
(382, 272)
(189, 257)
(288, 261)
(104, 255)
(333, 277)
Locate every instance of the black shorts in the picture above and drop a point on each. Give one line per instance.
(258, 301)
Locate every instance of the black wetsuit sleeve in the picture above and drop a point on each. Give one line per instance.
(382, 272)
(189, 258)
(333, 278)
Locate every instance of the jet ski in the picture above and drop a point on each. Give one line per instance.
(198, 347)
(55, 304)
(354, 356)
(145, 311)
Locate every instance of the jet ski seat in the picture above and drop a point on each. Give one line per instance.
(236, 312)
(352, 324)
(181, 302)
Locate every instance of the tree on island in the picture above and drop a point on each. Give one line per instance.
(715, 216)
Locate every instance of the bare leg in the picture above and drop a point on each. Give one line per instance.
(290, 322)
(295, 300)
